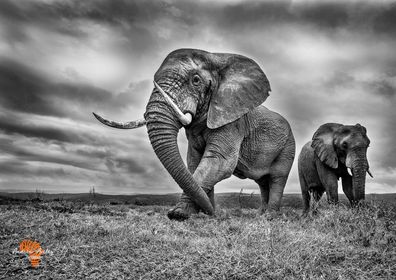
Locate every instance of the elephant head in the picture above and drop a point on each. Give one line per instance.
(195, 87)
(344, 146)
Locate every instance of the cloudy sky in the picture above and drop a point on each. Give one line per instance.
(61, 60)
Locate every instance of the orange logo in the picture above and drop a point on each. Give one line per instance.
(33, 249)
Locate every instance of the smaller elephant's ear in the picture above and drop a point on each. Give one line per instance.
(322, 143)
(242, 87)
(362, 128)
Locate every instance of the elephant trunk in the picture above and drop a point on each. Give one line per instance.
(163, 127)
(359, 169)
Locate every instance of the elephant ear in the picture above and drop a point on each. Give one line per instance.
(242, 87)
(362, 128)
(322, 143)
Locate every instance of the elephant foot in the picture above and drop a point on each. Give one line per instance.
(305, 213)
(183, 211)
(262, 210)
(270, 215)
(310, 213)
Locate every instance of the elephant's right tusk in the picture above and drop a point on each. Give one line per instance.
(121, 125)
(186, 118)
(349, 171)
(369, 173)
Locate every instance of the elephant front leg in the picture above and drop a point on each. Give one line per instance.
(212, 170)
(329, 181)
(218, 162)
(219, 159)
(347, 188)
(332, 190)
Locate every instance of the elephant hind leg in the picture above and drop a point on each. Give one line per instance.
(306, 197)
(276, 187)
(263, 183)
(279, 172)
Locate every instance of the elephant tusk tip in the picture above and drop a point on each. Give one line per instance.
(187, 119)
(99, 118)
(369, 173)
(96, 115)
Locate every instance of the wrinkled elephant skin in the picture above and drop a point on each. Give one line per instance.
(336, 151)
(218, 99)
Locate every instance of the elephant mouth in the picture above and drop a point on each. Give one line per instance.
(351, 172)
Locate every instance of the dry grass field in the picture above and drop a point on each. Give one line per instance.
(111, 240)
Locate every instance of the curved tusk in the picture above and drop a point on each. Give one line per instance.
(349, 171)
(186, 118)
(121, 125)
(369, 173)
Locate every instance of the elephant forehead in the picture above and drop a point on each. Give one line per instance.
(175, 68)
(179, 59)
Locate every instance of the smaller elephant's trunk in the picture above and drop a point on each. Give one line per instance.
(359, 168)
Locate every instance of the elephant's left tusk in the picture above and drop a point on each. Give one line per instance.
(121, 125)
(186, 118)
(369, 173)
(349, 171)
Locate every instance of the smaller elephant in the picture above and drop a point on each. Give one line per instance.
(335, 151)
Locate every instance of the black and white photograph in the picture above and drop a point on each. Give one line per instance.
(176, 139)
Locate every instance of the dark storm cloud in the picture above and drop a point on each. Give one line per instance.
(129, 165)
(252, 14)
(380, 85)
(28, 154)
(18, 167)
(17, 127)
(134, 18)
(315, 56)
(385, 22)
(379, 17)
(328, 15)
(384, 88)
(13, 167)
(241, 15)
(25, 90)
(68, 17)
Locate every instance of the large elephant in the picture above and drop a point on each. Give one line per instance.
(335, 151)
(217, 97)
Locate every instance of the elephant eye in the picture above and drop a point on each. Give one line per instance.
(344, 145)
(196, 80)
